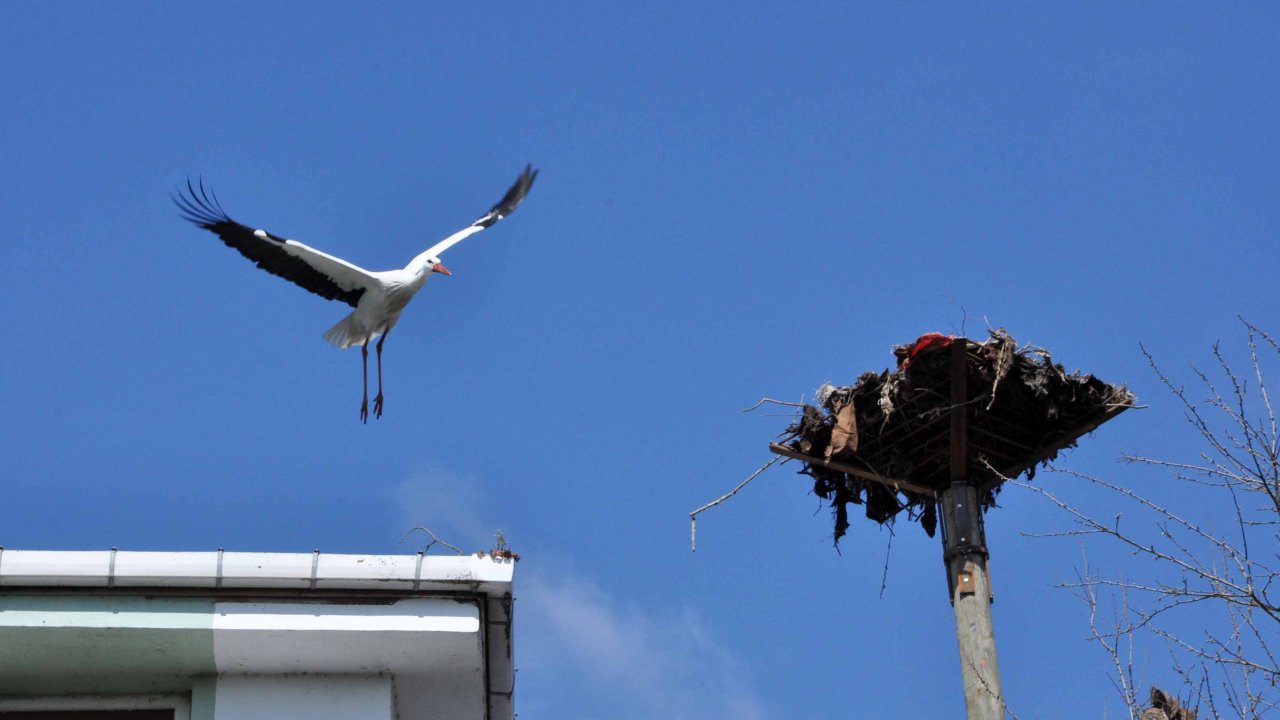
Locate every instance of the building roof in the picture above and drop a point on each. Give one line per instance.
(124, 622)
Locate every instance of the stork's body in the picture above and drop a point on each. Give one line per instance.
(379, 308)
(378, 297)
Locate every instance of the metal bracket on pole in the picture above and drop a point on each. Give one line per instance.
(963, 539)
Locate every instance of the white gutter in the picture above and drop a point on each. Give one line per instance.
(219, 569)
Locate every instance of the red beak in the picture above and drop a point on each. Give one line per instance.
(440, 268)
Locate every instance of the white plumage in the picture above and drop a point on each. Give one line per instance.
(378, 297)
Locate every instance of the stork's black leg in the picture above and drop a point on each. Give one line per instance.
(364, 360)
(377, 402)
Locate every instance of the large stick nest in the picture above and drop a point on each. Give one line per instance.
(1020, 410)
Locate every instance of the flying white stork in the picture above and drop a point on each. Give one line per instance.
(378, 297)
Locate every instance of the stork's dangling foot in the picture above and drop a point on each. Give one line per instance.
(377, 402)
(364, 404)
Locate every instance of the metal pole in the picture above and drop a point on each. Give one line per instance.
(965, 555)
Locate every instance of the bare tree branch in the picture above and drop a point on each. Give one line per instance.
(1220, 577)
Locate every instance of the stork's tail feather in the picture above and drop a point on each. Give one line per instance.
(348, 333)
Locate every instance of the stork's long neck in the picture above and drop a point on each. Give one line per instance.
(420, 265)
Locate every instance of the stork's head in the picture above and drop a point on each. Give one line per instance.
(438, 267)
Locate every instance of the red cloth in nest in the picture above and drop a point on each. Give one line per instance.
(925, 343)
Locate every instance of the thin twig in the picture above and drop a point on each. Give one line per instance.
(986, 687)
(884, 577)
(693, 516)
(434, 540)
(764, 400)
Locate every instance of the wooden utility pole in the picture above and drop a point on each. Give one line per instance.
(964, 544)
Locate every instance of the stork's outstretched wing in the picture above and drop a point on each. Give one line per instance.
(323, 274)
(505, 207)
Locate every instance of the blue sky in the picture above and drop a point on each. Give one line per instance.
(736, 200)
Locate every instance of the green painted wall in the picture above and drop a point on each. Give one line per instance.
(203, 692)
(55, 645)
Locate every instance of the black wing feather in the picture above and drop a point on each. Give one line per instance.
(201, 207)
(511, 200)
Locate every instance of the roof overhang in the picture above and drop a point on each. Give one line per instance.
(149, 622)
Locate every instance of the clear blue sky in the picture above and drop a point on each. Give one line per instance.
(735, 201)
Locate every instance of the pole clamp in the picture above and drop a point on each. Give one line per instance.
(965, 550)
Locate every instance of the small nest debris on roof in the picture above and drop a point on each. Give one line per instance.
(885, 442)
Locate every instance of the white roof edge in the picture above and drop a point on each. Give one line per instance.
(247, 570)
